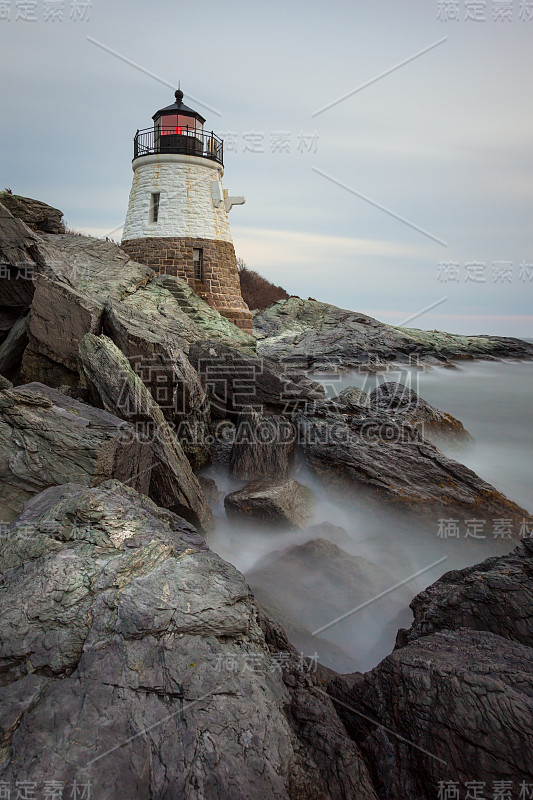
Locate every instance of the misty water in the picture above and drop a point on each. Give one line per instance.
(306, 589)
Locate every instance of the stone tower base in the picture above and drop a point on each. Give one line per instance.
(219, 286)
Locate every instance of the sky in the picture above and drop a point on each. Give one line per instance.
(384, 148)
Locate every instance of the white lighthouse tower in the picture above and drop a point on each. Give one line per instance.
(177, 220)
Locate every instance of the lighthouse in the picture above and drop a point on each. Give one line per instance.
(177, 219)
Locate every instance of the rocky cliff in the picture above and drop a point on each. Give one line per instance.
(135, 662)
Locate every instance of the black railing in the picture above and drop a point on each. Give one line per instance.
(189, 141)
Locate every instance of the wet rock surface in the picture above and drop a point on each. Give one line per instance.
(47, 439)
(455, 706)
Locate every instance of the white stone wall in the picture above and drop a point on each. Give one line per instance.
(186, 206)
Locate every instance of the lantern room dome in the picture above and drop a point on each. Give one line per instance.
(179, 107)
(178, 129)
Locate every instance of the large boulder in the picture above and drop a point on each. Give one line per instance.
(24, 255)
(134, 659)
(495, 596)
(385, 459)
(323, 336)
(451, 709)
(236, 381)
(37, 215)
(95, 275)
(112, 384)
(47, 439)
(276, 504)
(65, 309)
(403, 403)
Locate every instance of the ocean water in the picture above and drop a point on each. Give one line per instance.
(494, 401)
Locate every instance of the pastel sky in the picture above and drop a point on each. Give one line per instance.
(440, 140)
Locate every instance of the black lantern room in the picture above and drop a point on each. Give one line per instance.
(178, 129)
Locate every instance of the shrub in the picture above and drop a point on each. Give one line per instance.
(258, 292)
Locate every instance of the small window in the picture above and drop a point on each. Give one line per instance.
(198, 261)
(154, 207)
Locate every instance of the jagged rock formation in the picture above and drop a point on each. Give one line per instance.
(320, 335)
(47, 439)
(402, 403)
(78, 285)
(112, 383)
(118, 623)
(386, 459)
(37, 215)
(454, 700)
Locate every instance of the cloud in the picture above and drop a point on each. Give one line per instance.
(275, 248)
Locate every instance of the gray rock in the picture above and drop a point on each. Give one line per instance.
(37, 215)
(236, 381)
(330, 532)
(170, 304)
(403, 403)
(24, 255)
(117, 622)
(387, 460)
(13, 346)
(112, 383)
(65, 309)
(495, 596)
(322, 336)
(263, 448)
(140, 307)
(316, 582)
(352, 399)
(47, 439)
(278, 504)
(4, 383)
(209, 488)
(155, 354)
(455, 706)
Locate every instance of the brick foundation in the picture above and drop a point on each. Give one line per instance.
(220, 285)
